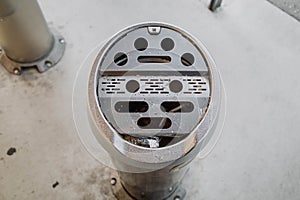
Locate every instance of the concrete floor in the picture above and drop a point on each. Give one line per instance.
(256, 48)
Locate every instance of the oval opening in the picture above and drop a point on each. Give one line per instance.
(154, 59)
(154, 123)
(177, 106)
(131, 106)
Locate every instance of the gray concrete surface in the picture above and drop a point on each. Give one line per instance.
(255, 46)
(291, 7)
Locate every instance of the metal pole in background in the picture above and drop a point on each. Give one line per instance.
(25, 39)
(214, 5)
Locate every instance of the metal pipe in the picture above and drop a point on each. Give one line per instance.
(25, 38)
(6, 8)
(153, 185)
(214, 5)
(158, 184)
(137, 110)
(24, 34)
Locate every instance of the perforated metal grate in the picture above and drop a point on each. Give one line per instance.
(154, 86)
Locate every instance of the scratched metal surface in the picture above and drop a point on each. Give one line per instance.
(256, 47)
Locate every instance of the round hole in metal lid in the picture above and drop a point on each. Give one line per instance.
(141, 44)
(176, 86)
(187, 59)
(120, 59)
(132, 86)
(167, 44)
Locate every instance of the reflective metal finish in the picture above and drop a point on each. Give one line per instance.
(149, 172)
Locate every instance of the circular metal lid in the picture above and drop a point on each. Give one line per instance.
(153, 95)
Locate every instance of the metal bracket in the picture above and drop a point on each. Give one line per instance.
(121, 194)
(42, 65)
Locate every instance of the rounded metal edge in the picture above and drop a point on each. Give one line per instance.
(159, 155)
(48, 61)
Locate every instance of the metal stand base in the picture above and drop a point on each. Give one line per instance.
(121, 194)
(42, 65)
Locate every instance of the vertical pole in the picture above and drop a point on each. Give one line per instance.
(160, 184)
(214, 5)
(25, 38)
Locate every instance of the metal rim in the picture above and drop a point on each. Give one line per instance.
(107, 135)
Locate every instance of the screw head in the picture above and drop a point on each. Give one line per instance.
(48, 64)
(177, 198)
(113, 181)
(16, 71)
(170, 189)
(62, 41)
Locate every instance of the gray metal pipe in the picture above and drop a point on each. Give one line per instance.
(150, 160)
(6, 8)
(215, 4)
(159, 184)
(24, 34)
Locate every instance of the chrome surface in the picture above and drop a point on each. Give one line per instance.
(106, 134)
(147, 172)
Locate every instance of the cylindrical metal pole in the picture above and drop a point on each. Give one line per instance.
(6, 8)
(25, 39)
(214, 5)
(24, 34)
(152, 136)
(159, 184)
